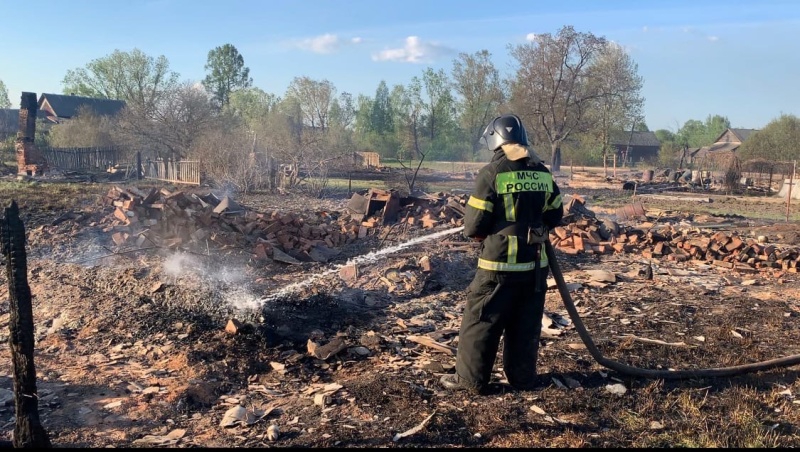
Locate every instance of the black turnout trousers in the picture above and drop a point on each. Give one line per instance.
(501, 304)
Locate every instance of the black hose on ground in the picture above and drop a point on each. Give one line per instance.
(651, 373)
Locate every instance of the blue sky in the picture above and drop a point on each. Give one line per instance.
(739, 59)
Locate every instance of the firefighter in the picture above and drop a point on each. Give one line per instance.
(514, 204)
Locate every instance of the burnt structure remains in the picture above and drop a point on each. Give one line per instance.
(30, 160)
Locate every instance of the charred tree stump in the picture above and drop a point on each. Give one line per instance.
(28, 431)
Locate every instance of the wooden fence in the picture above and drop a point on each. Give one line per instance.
(81, 158)
(181, 172)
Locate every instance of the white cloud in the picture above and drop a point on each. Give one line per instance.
(530, 37)
(644, 29)
(415, 51)
(713, 38)
(327, 43)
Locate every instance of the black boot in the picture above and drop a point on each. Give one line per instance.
(451, 383)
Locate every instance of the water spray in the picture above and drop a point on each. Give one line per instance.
(372, 256)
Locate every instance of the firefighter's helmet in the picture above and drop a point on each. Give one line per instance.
(504, 130)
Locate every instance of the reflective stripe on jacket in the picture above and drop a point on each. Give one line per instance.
(510, 193)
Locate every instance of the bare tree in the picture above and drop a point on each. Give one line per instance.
(293, 142)
(553, 88)
(228, 156)
(181, 116)
(477, 82)
(86, 129)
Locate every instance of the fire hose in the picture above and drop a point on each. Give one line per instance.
(650, 373)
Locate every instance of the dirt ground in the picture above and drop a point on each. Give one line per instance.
(132, 348)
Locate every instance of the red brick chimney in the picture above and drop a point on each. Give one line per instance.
(30, 160)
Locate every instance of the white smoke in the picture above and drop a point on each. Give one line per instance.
(230, 283)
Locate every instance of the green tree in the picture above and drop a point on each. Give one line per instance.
(715, 126)
(314, 98)
(778, 141)
(672, 153)
(438, 102)
(227, 73)
(695, 133)
(619, 104)
(134, 77)
(252, 105)
(4, 102)
(664, 135)
(692, 134)
(343, 111)
(363, 120)
(409, 128)
(374, 122)
(381, 115)
(340, 137)
(480, 93)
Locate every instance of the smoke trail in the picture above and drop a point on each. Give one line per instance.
(365, 258)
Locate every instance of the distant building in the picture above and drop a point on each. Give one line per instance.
(632, 147)
(719, 154)
(9, 122)
(57, 107)
(367, 159)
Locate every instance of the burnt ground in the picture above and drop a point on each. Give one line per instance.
(132, 349)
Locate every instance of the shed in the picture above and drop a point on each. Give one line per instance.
(632, 147)
(366, 158)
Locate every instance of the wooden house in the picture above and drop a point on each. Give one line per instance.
(718, 155)
(632, 147)
(57, 107)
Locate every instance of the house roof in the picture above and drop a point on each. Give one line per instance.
(742, 134)
(621, 137)
(66, 105)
